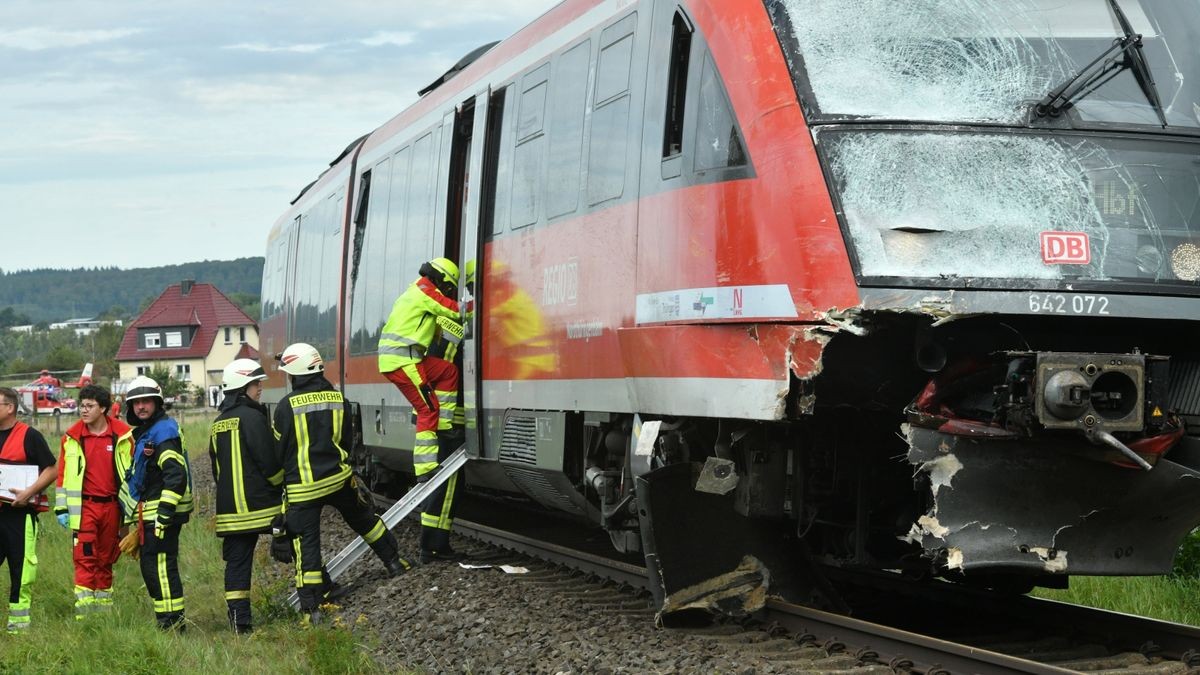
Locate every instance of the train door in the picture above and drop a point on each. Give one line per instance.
(462, 240)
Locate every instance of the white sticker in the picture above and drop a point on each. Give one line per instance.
(646, 438)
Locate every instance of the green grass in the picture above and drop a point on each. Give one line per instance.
(126, 640)
(1167, 598)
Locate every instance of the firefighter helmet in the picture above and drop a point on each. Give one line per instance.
(441, 271)
(301, 359)
(143, 387)
(240, 373)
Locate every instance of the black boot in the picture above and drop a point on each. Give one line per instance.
(445, 554)
(172, 621)
(397, 566)
(239, 619)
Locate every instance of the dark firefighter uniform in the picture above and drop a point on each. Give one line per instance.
(312, 425)
(21, 444)
(249, 481)
(160, 485)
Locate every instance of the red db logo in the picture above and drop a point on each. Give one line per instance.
(1066, 248)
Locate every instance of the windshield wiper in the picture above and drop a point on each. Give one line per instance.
(1102, 69)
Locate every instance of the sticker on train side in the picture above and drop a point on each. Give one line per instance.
(1060, 303)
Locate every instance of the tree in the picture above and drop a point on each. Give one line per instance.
(171, 387)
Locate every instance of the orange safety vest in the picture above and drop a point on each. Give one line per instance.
(13, 452)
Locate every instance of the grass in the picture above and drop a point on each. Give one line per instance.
(1166, 598)
(127, 641)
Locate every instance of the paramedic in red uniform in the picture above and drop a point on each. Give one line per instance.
(21, 444)
(94, 452)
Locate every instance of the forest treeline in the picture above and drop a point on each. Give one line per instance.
(49, 295)
(42, 297)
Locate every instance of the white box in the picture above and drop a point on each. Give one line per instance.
(16, 477)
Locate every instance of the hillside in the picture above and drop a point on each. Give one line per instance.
(55, 295)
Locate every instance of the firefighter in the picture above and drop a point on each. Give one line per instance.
(94, 453)
(312, 426)
(21, 444)
(249, 479)
(159, 482)
(425, 314)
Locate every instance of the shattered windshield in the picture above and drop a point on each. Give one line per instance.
(987, 60)
(1064, 207)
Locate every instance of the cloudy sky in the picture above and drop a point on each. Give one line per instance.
(139, 133)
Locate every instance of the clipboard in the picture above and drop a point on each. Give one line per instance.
(16, 477)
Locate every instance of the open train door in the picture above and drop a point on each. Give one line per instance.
(473, 135)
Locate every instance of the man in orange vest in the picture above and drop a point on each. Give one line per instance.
(22, 445)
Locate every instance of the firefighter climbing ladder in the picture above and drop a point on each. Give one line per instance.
(392, 517)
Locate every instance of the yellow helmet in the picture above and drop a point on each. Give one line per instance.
(444, 270)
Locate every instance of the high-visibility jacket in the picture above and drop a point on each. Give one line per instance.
(246, 467)
(312, 426)
(13, 452)
(411, 326)
(72, 465)
(164, 490)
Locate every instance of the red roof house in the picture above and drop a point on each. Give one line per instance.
(193, 330)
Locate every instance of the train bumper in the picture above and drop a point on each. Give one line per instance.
(1048, 507)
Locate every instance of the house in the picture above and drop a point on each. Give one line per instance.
(193, 331)
(84, 326)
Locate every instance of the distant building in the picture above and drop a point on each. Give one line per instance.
(27, 328)
(85, 326)
(191, 329)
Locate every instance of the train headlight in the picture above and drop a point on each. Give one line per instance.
(1185, 261)
(1067, 394)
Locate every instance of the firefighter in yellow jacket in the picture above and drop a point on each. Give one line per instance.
(425, 314)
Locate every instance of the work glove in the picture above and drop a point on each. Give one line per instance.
(129, 545)
(281, 540)
(64, 520)
(160, 526)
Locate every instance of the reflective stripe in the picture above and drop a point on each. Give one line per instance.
(316, 407)
(303, 492)
(425, 458)
(397, 339)
(375, 533)
(426, 442)
(237, 595)
(170, 497)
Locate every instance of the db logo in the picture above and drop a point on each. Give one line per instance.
(1066, 248)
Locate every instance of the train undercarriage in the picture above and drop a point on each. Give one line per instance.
(997, 452)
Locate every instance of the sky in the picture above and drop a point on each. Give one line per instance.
(138, 133)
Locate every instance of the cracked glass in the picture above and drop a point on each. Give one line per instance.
(989, 61)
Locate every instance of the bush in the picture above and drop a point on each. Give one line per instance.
(1187, 560)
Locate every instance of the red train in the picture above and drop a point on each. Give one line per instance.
(760, 283)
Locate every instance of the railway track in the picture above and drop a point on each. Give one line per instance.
(906, 627)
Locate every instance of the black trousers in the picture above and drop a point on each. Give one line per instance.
(160, 571)
(237, 550)
(304, 521)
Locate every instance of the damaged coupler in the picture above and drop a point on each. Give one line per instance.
(1035, 506)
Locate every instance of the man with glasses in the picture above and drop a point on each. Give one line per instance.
(95, 452)
(21, 444)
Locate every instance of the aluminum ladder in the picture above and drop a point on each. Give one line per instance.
(392, 517)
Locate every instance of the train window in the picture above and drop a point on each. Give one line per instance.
(391, 252)
(529, 157)
(681, 47)
(568, 101)
(418, 229)
(368, 281)
(610, 116)
(718, 144)
(616, 54)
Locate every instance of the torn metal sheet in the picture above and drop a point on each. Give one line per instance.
(1022, 505)
(717, 477)
(738, 592)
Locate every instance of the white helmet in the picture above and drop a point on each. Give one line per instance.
(240, 373)
(143, 387)
(301, 359)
